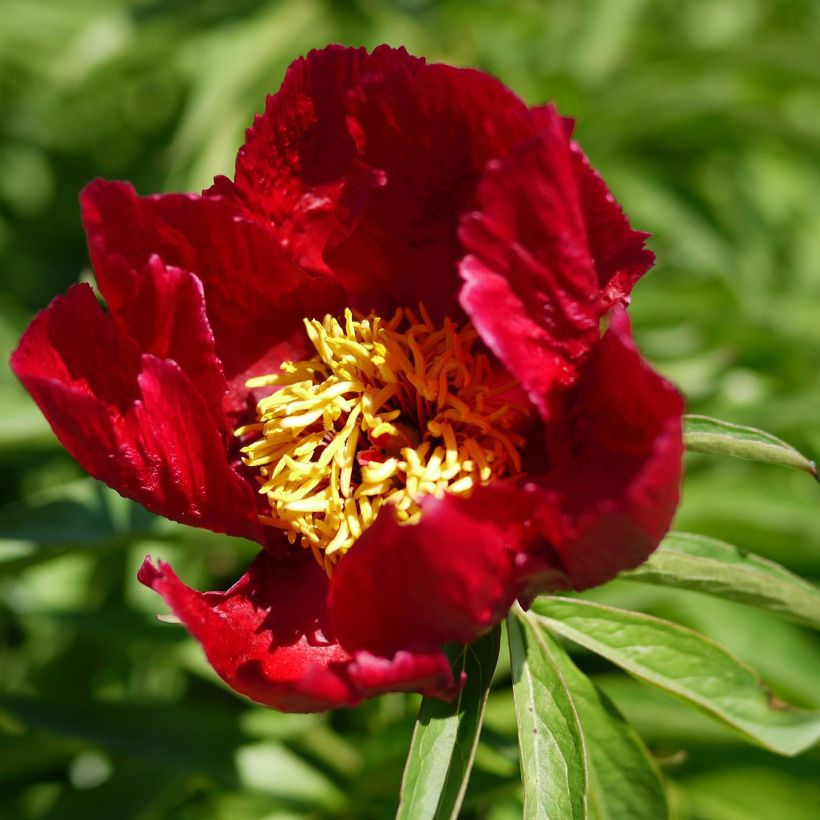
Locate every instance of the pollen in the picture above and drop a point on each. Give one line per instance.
(385, 413)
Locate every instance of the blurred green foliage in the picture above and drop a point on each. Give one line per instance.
(704, 116)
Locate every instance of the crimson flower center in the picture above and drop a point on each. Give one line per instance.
(385, 413)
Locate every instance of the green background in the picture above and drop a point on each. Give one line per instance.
(704, 117)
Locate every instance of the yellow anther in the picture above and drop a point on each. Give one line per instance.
(315, 504)
(386, 412)
(376, 472)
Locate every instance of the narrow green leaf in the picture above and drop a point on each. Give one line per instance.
(446, 736)
(553, 758)
(685, 664)
(707, 435)
(625, 783)
(705, 564)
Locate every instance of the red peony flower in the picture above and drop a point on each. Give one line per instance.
(377, 352)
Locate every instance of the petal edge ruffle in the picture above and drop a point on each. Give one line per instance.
(269, 638)
(132, 420)
(529, 279)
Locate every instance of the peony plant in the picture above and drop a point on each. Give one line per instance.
(394, 350)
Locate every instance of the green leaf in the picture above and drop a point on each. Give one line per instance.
(707, 565)
(707, 435)
(625, 783)
(686, 664)
(553, 758)
(446, 736)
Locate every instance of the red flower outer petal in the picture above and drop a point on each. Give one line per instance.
(165, 315)
(268, 637)
(428, 673)
(299, 166)
(617, 249)
(616, 447)
(134, 421)
(448, 578)
(255, 295)
(529, 279)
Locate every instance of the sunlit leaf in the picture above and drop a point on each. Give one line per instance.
(707, 565)
(686, 664)
(707, 435)
(446, 735)
(553, 758)
(625, 783)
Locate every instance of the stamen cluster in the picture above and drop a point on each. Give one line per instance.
(384, 413)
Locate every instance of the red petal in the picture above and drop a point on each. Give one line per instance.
(135, 422)
(446, 579)
(426, 672)
(363, 162)
(430, 129)
(268, 637)
(165, 315)
(255, 296)
(618, 250)
(530, 282)
(616, 445)
(298, 167)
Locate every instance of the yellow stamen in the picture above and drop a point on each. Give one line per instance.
(384, 413)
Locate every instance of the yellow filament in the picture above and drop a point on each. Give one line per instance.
(384, 413)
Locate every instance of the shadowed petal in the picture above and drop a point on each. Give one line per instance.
(430, 129)
(616, 446)
(364, 162)
(299, 166)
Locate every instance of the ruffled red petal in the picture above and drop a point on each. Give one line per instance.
(618, 250)
(446, 579)
(364, 162)
(255, 295)
(299, 166)
(616, 446)
(165, 315)
(269, 638)
(530, 281)
(132, 420)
